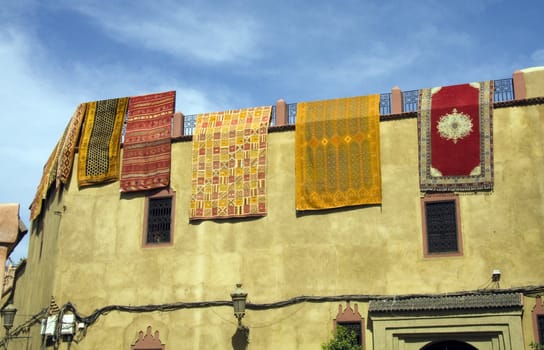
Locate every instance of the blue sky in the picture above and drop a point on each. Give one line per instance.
(221, 55)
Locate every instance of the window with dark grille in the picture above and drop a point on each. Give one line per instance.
(158, 220)
(441, 224)
(350, 318)
(537, 314)
(540, 326)
(355, 327)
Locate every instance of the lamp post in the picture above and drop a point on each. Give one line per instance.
(239, 303)
(8, 314)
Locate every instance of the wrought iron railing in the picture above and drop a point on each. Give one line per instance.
(291, 113)
(504, 91)
(410, 100)
(189, 123)
(385, 104)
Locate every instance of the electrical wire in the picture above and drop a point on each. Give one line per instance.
(271, 323)
(94, 316)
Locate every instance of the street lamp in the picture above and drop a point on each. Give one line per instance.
(8, 314)
(239, 303)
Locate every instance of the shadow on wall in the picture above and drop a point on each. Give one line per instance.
(240, 339)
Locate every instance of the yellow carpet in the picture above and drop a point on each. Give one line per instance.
(337, 153)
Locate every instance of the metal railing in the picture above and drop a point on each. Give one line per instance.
(189, 123)
(504, 91)
(385, 103)
(410, 100)
(291, 113)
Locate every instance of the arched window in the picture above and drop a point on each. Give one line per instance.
(352, 320)
(148, 341)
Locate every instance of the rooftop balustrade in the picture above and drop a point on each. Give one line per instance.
(504, 91)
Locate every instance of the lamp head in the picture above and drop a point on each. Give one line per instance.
(239, 297)
(8, 315)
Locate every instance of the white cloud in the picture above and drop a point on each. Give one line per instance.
(38, 98)
(447, 43)
(29, 104)
(354, 72)
(190, 101)
(538, 57)
(109, 81)
(180, 31)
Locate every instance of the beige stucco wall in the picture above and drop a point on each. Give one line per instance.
(95, 258)
(533, 77)
(33, 290)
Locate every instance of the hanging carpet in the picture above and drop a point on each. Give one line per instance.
(147, 147)
(100, 142)
(455, 137)
(229, 164)
(59, 164)
(47, 179)
(337, 153)
(68, 146)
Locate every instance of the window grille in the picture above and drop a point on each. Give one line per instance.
(351, 319)
(441, 226)
(540, 326)
(158, 220)
(355, 327)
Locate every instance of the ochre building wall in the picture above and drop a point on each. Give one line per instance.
(90, 252)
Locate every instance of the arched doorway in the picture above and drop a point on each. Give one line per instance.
(449, 345)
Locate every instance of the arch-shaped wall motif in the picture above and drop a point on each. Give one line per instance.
(351, 316)
(148, 341)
